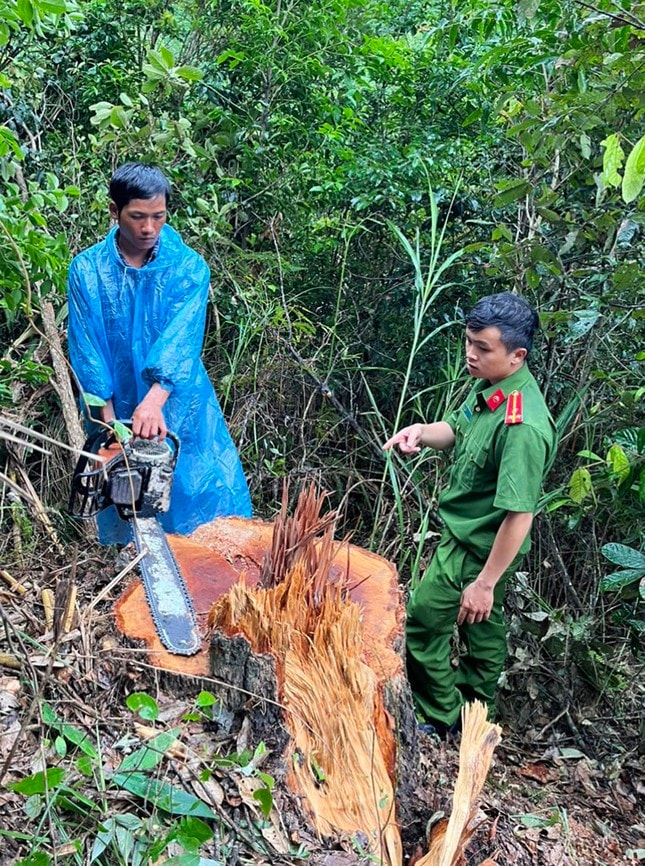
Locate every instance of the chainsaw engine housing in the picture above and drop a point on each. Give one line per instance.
(137, 477)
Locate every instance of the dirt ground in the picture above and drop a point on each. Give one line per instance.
(547, 801)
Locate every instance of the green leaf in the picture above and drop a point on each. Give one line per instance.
(620, 579)
(93, 400)
(510, 191)
(55, 7)
(36, 858)
(571, 753)
(164, 796)
(25, 11)
(184, 860)
(195, 829)
(618, 462)
(79, 738)
(150, 755)
(206, 699)
(167, 57)
(123, 433)
(533, 821)
(85, 766)
(143, 705)
(580, 485)
(634, 175)
(189, 73)
(622, 555)
(265, 799)
(40, 782)
(612, 161)
(590, 455)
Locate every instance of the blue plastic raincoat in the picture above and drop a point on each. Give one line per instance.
(131, 327)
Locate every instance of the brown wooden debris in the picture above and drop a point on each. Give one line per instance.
(12, 582)
(9, 661)
(64, 607)
(478, 742)
(47, 598)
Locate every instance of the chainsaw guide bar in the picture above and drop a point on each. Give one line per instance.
(170, 603)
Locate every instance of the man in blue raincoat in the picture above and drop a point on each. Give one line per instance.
(137, 312)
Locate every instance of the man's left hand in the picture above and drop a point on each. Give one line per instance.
(476, 604)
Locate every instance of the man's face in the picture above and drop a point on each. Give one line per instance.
(140, 222)
(487, 357)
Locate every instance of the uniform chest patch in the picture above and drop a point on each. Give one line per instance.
(468, 412)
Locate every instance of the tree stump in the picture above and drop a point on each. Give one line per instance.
(304, 637)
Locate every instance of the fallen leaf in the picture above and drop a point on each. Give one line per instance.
(540, 772)
(9, 689)
(177, 751)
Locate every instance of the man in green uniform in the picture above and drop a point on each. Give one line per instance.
(504, 441)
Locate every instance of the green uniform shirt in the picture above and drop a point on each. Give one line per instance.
(498, 467)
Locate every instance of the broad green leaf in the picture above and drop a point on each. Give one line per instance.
(164, 796)
(195, 829)
(571, 753)
(634, 174)
(40, 782)
(85, 766)
(79, 738)
(36, 858)
(93, 400)
(618, 462)
(25, 10)
(74, 735)
(533, 821)
(189, 73)
(612, 161)
(143, 705)
(622, 555)
(55, 7)
(620, 579)
(122, 432)
(590, 455)
(184, 860)
(9, 142)
(235, 57)
(167, 57)
(205, 699)
(510, 192)
(580, 485)
(150, 755)
(265, 799)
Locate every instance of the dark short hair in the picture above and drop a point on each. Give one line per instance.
(137, 180)
(515, 317)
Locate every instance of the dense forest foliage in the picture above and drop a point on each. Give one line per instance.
(356, 174)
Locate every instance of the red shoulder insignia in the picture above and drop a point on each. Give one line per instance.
(514, 408)
(495, 400)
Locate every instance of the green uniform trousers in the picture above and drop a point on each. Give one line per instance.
(440, 689)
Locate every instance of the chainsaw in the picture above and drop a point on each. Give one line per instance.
(136, 477)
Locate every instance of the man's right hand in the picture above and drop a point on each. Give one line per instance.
(407, 439)
(147, 419)
(411, 439)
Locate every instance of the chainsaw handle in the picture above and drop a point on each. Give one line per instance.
(127, 422)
